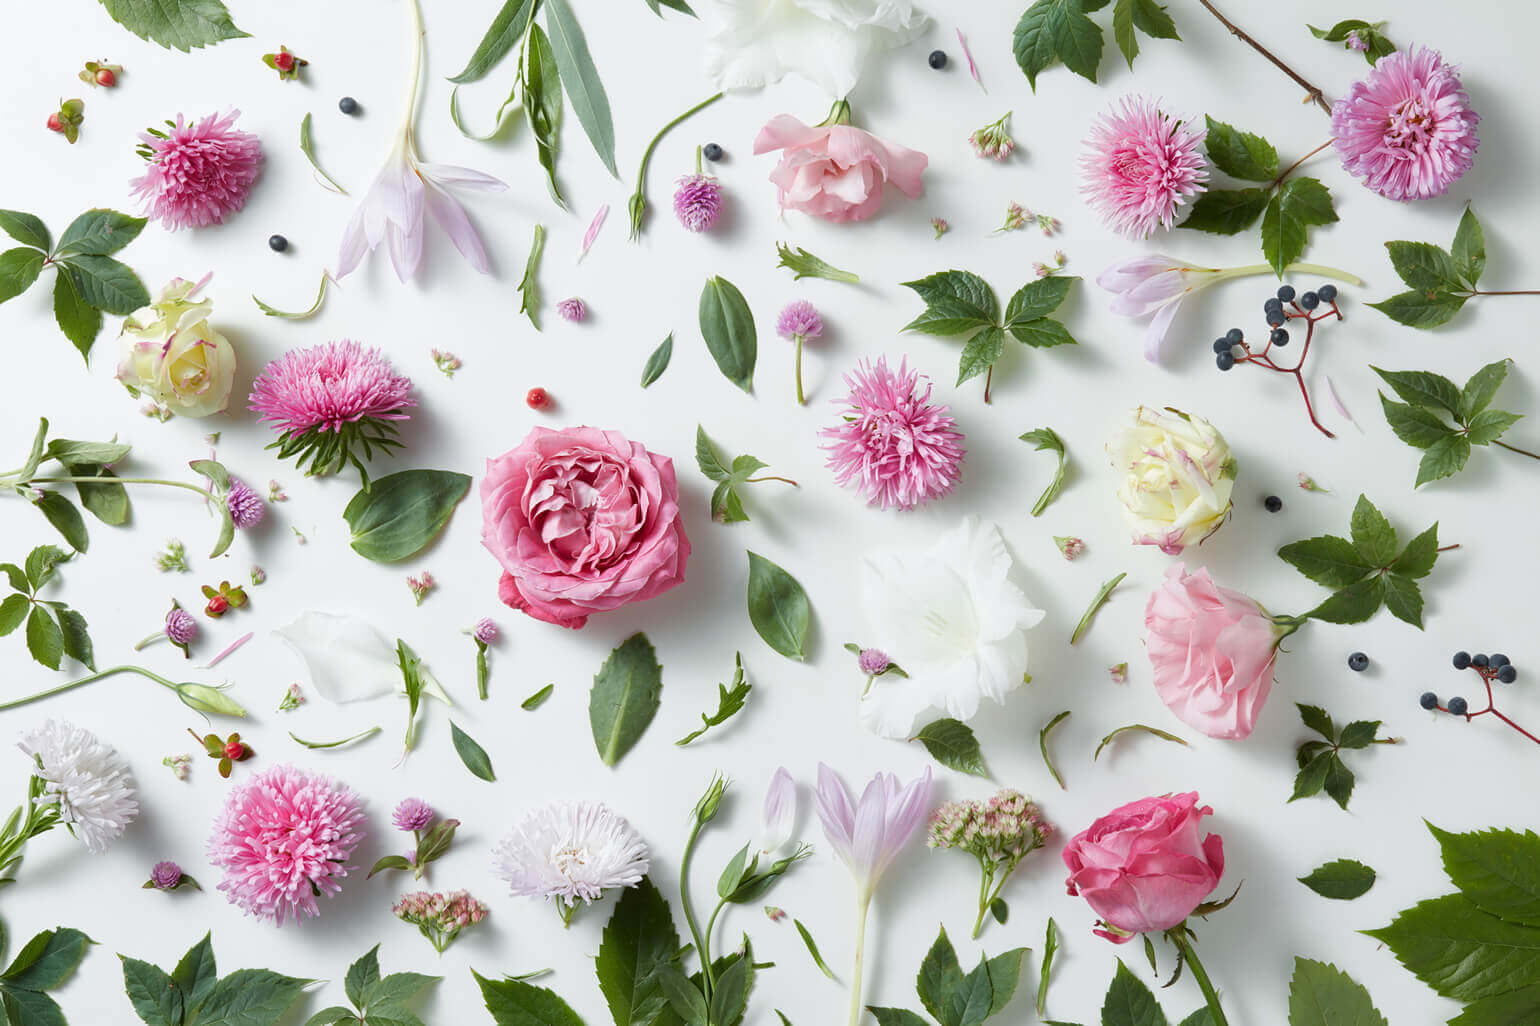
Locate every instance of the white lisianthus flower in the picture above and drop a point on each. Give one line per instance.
(755, 43)
(954, 619)
(86, 782)
(170, 355)
(1177, 477)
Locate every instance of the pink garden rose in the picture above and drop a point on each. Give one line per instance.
(1212, 650)
(1145, 866)
(836, 172)
(582, 520)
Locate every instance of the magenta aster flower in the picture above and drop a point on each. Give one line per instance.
(283, 839)
(246, 507)
(412, 814)
(698, 202)
(1141, 166)
(1406, 129)
(896, 445)
(199, 174)
(327, 399)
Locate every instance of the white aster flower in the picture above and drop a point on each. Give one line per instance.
(570, 852)
(755, 43)
(954, 619)
(87, 782)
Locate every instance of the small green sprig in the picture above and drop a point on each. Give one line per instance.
(529, 287)
(1440, 281)
(726, 504)
(942, 985)
(1320, 762)
(730, 701)
(1430, 398)
(431, 844)
(1046, 439)
(54, 630)
(803, 264)
(375, 1001)
(1060, 30)
(1357, 35)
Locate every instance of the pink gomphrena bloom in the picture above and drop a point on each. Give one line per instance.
(485, 631)
(1141, 166)
(572, 309)
(1356, 42)
(873, 661)
(698, 201)
(284, 838)
(246, 507)
(799, 322)
(413, 814)
(198, 174)
(893, 443)
(1406, 129)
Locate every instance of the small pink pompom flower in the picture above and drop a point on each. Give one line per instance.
(413, 814)
(1406, 129)
(799, 322)
(246, 507)
(572, 309)
(1141, 166)
(898, 447)
(698, 202)
(181, 628)
(198, 174)
(284, 838)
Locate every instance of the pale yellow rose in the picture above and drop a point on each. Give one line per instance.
(170, 355)
(1177, 477)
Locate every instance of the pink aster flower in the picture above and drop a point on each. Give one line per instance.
(698, 202)
(1406, 129)
(896, 445)
(283, 839)
(198, 174)
(326, 399)
(1141, 166)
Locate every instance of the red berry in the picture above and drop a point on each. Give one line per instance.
(285, 61)
(217, 605)
(54, 124)
(105, 77)
(235, 750)
(538, 399)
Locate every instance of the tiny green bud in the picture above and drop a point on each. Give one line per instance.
(711, 801)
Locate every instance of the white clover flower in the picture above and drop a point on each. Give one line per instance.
(87, 782)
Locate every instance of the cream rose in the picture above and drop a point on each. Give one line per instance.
(169, 354)
(1177, 477)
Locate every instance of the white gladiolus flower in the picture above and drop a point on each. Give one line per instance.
(87, 782)
(1177, 478)
(570, 852)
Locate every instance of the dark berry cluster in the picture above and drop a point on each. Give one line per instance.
(1496, 667)
(1232, 348)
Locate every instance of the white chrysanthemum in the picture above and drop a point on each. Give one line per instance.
(570, 851)
(87, 781)
(954, 620)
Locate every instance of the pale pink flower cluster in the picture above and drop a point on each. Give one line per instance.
(1005, 827)
(437, 916)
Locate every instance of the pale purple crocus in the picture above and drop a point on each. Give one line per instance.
(867, 836)
(406, 190)
(779, 819)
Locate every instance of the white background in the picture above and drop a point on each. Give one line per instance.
(1479, 597)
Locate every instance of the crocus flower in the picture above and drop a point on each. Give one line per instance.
(867, 836)
(406, 189)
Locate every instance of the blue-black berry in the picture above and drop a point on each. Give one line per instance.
(1286, 293)
(1327, 292)
(1508, 674)
(1275, 317)
(1497, 660)
(1358, 662)
(1272, 303)
(1310, 300)
(1221, 345)
(277, 243)
(1461, 660)
(712, 152)
(1224, 361)
(1428, 700)
(1272, 503)
(1235, 336)
(1479, 660)
(348, 105)
(1457, 705)
(937, 59)
(1279, 337)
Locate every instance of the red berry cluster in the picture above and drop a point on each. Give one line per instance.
(1232, 349)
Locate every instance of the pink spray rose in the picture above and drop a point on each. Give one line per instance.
(582, 520)
(1212, 650)
(1145, 866)
(836, 172)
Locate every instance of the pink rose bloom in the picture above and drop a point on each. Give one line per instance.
(1145, 866)
(836, 172)
(582, 520)
(1212, 650)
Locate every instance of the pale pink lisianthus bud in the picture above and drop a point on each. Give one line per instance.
(836, 172)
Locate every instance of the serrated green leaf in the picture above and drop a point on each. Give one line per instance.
(727, 325)
(1327, 560)
(1515, 1008)
(79, 320)
(1420, 309)
(1372, 534)
(1038, 299)
(105, 284)
(953, 744)
(980, 353)
(1130, 1003)
(706, 457)
(1042, 333)
(249, 997)
(1301, 203)
(657, 363)
(778, 608)
(1443, 458)
(1353, 604)
(13, 611)
(966, 294)
(47, 960)
(1340, 879)
(1417, 426)
(1057, 29)
(581, 80)
(99, 232)
(27, 229)
(1462, 952)
(1497, 870)
(1482, 387)
(1424, 389)
(1309, 750)
(155, 998)
(19, 268)
(1339, 780)
(625, 697)
(1123, 30)
(362, 975)
(1358, 734)
(1423, 266)
(42, 563)
(1470, 248)
(638, 940)
(1417, 559)
(1226, 211)
(175, 24)
(940, 976)
(516, 1003)
(1320, 994)
(196, 972)
(1317, 720)
(44, 638)
(77, 639)
(891, 1016)
(1240, 154)
(1488, 426)
(1311, 777)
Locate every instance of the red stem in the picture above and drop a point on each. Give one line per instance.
(988, 377)
(1264, 360)
(1487, 675)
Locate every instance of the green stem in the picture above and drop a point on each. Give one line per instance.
(771, 477)
(863, 906)
(71, 685)
(122, 481)
(637, 205)
(701, 948)
(984, 881)
(1510, 292)
(1300, 267)
(707, 972)
(801, 399)
(1190, 954)
(1521, 452)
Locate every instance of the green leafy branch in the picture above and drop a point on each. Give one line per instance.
(1374, 45)
(44, 963)
(193, 994)
(1440, 281)
(54, 630)
(953, 998)
(376, 1000)
(1320, 762)
(1419, 422)
(730, 702)
(1061, 30)
(726, 504)
(1288, 206)
(803, 264)
(961, 303)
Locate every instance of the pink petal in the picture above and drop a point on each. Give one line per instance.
(783, 132)
(451, 217)
(593, 229)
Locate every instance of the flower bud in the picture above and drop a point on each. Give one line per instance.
(207, 699)
(711, 801)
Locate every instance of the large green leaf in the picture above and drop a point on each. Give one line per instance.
(1423, 266)
(1443, 458)
(727, 325)
(624, 698)
(1423, 388)
(1498, 870)
(1461, 951)
(105, 284)
(1301, 203)
(1320, 994)
(178, 24)
(940, 975)
(80, 321)
(778, 607)
(1373, 536)
(399, 514)
(1226, 211)
(1240, 154)
(27, 229)
(1327, 560)
(639, 938)
(1420, 309)
(155, 998)
(1058, 29)
(47, 960)
(516, 1003)
(65, 518)
(98, 232)
(249, 997)
(1482, 387)
(1130, 1003)
(1417, 426)
(581, 80)
(1038, 298)
(1341, 879)
(953, 744)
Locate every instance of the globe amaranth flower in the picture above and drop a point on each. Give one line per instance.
(1177, 478)
(284, 838)
(171, 357)
(413, 814)
(893, 443)
(329, 401)
(1140, 166)
(246, 507)
(1406, 129)
(570, 852)
(572, 309)
(799, 322)
(698, 202)
(168, 876)
(85, 782)
(198, 174)
(999, 833)
(485, 631)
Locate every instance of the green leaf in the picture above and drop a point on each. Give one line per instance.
(1004, 971)
(684, 998)
(1318, 720)
(980, 353)
(362, 975)
(31, 1007)
(1226, 211)
(542, 106)
(516, 1003)
(42, 563)
(1301, 202)
(1240, 154)
(249, 997)
(1420, 309)
(67, 450)
(956, 301)
(1514, 1008)
(473, 755)
(1443, 458)
(321, 746)
(1358, 734)
(1045, 439)
(803, 264)
(399, 514)
(624, 697)
(47, 960)
(581, 80)
(1460, 951)
(1417, 559)
(1043, 333)
(79, 321)
(1102, 595)
(1353, 604)
(1470, 248)
(16, 577)
(44, 638)
(812, 949)
(307, 147)
(1373, 536)
(940, 976)
(1404, 599)
(391, 994)
(108, 502)
(529, 287)
(1050, 948)
(1342, 879)
(1482, 387)
(27, 229)
(1312, 776)
(336, 1015)
(1123, 30)
(156, 999)
(105, 284)
(1338, 32)
(65, 518)
(1320, 994)
(196, 973)
(727, 325)
(730, 702)
(299, 315)
(706, 458)
(536, 700)
(1327, 560)
(1202, 1017)
(12, 612)
(1339, 780)
(175, 24)
(638, 940)
(1424, 388)
(895, 1016)
(1423, 266)
(77, 641)
(1038, 299)
(1059, 29)
(1130, 1003)
(657, 363)
(730, 998)
(19, 268)
(99, 232)
(778, 608)
(1497, 870)
(953, 744)
(506, 29)
(1417, 426)
(1042, 744)
(1488, 426)
(1118, 732)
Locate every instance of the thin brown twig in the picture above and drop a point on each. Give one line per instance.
(1312, 92)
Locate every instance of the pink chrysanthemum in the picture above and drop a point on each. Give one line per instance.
(325, 399)
(698, 202)
(799, 319)
(283, 838)
(199, 174)
(1406, 129)
(246, 507)
(896, 445)
(1141, 166)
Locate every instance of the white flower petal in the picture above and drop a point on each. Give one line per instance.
(348, 660)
